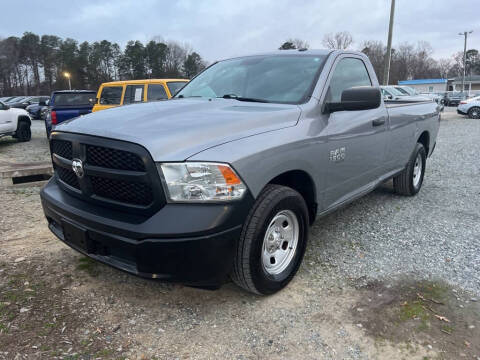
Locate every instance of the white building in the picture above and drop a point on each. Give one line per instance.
(426, 85)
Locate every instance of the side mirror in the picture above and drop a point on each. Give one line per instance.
(356, 98)
(42, 103)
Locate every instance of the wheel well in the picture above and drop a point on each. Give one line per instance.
(424, 139)
(23, 118)
(300, 181)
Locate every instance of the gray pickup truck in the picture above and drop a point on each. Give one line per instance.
(225, 179)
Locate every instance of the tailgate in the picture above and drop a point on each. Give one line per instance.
(66, 113)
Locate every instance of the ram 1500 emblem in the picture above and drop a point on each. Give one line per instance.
(77, 167)
(337, 155)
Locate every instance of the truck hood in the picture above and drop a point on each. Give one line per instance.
(18, 111)
(174, 130)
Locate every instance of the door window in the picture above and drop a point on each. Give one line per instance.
(156, 92)
(133, 94)
(174, 86)
(111, 95)
(348, 73)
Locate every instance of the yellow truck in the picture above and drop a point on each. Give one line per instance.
(117, 93)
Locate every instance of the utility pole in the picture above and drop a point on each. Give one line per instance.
(386, 72)
(465, 34)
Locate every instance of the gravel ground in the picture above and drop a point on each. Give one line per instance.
(36, 150)
(376, 277)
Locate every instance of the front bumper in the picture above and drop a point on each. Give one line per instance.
(193, 244)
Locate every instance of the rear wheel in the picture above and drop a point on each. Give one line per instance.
(23, 132)
(474, 113)
(410, 180)
(273, 240)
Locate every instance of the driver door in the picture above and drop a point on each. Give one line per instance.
(356, 139)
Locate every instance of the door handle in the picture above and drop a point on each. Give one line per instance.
(378, 122)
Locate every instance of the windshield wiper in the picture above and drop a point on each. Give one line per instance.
(184, 97)
(239, 98)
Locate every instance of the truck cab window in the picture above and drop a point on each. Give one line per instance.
(348, 73)
(111, 95)
(133, 94)
(156, 92)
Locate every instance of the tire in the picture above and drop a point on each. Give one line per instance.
(278, 212)
(23, 132)
(408, 183)
(474, 112)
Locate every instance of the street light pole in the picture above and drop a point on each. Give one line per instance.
(465, 34)
(386, 72)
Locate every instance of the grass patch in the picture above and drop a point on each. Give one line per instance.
(88, 265)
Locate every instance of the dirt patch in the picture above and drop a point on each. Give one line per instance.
(428, 313)
(40, 319)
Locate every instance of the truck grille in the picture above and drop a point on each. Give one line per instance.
(118, 190)
(115, 173)
(67, 176)
(62, 148)
(114, 159)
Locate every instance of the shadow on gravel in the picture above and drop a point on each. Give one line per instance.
(428, 313)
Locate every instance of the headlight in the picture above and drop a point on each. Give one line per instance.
(201, 182)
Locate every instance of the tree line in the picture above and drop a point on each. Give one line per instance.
(408, 61)
(34, 64)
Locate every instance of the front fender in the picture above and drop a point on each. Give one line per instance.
(259, 159)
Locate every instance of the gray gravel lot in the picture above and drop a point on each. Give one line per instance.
(359, 266)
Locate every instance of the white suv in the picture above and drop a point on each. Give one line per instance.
(14, 122)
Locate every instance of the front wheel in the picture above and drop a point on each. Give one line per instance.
(474, 113)
(273, 241)
(23, 132)
(410, 180)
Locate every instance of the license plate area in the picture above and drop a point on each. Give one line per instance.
(76, 236)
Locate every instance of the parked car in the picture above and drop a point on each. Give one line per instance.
(35, 109)
(226, 177)
(14, 122)
(406, 90)
(68, 104)
(15, 99)
(390, 92)
(29, 100)
(6, 99)
(470, 107)
(117, 93)
(453, 98)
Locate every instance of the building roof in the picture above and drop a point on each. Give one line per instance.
(422, 81)
(472, 78)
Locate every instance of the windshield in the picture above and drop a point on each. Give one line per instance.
(285, 79)
(16, 99)
(73, 99)
(393, 91)
(402, 90)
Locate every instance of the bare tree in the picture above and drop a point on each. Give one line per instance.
(294, 44)
(444, 66)
(375, 50)
(340, 40)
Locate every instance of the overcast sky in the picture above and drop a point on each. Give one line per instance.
(219, 29)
